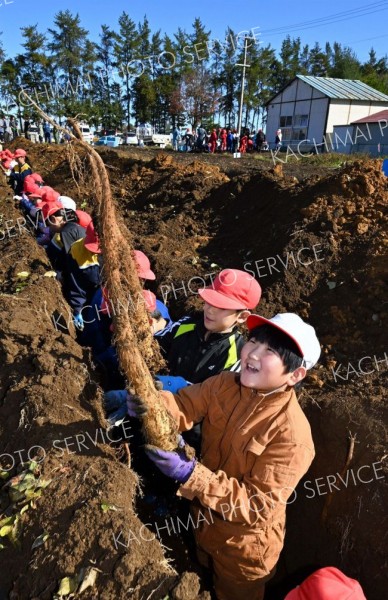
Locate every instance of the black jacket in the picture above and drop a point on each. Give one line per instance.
(190, 356)
(82, 277)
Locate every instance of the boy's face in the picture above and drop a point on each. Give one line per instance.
(263, 369)
(55, 223)
(218, 320)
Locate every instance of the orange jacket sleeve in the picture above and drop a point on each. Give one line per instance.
(190, 405)
(261, 495)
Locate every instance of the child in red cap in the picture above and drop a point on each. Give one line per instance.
(19, 172)
(199, 347)
(82, 278)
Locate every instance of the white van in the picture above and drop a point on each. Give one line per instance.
(87, 135)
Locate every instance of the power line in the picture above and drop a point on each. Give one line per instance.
(376, 37)
(330, 19)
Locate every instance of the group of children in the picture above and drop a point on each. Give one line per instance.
(253, 442)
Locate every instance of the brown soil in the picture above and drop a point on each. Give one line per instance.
(192, 216)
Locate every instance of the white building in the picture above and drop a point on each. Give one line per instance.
(367, 135)
(308, 108)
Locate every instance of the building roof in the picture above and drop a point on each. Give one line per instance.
(382, 115)
(344, 89)
(339, 89)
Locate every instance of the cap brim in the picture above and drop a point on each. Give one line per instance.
(219, 300)
(256, 321)
(93, 247)
(147, 274)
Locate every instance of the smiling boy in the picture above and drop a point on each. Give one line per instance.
(201, 346)
(256, 446)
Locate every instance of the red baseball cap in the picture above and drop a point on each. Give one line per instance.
(37, 178)
(84, 219)
(49, 194)
(20, 153)
(49, 208)
(92, 242)
(29, 187)
(150, 300)
(143, 266)
(232, 289)
(327, 584)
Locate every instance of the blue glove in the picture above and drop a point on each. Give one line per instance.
(175, 465)
(78, 322)
(172, 384)
(115, 399)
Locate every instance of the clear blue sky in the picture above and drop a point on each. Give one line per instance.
(370, 28)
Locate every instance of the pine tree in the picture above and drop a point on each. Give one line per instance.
(345, 64)
(228, 78)
(68, 45)
(144, 96)
(73, 57)
(125, 51)
(289, 60)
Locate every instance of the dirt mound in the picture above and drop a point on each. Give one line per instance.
(67, 502)
(316, 247)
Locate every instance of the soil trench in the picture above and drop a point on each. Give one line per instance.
(316, 241)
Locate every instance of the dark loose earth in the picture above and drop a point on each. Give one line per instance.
(316, 240)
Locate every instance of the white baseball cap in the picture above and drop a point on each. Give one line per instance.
(67, 202)
(300, 332)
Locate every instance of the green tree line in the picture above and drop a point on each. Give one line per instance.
(133, 75)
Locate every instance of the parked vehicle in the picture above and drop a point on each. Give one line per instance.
(130, 138)
(33, 133)
(87, 135)
(149, 136)
(109, 140)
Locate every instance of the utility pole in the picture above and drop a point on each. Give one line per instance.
(244, 66)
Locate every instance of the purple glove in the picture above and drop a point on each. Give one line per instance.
(135, 406)
(172, 464)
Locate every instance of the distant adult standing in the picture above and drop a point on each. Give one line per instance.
(7, 130)
(40, 132)
(189, 140)
(14, 127)
(176, 138)
(260, 138)
(47, 132)
(2, 128)
(235, 140)
(278, 139)
(201, 138)
(26, 127)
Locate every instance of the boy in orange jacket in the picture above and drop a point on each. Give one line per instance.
(256, 446)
